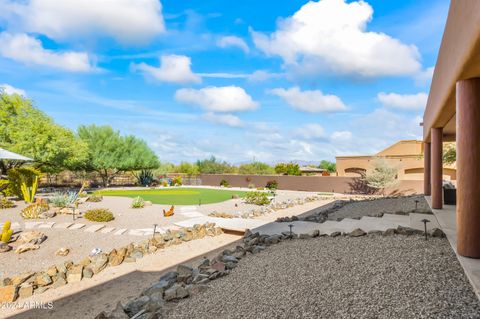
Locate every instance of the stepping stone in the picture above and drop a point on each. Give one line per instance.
(107, 230)
(94, 228)
(63, 225)
(120, 231)
(47, 225)
(136, 232)
(77, 226)
(30, 225)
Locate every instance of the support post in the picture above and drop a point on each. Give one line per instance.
(427, 187)
(468, 168)
(437, 168)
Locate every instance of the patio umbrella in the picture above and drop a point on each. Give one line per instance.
(4, 154)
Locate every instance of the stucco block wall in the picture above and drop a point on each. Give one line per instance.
(305, 183)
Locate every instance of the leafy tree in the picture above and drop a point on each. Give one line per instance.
(383, 175)
(288, 169)
(26, 130)
(449, 153)
(187, 168)
(109, 153)
(213, 166)
(255, 168)
(164, 168)
(329, 166)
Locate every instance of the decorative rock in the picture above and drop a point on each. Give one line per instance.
(52, 271)
(117, 313)
(176, 292)
(62, 252)
(136, 305)
(129, 259)
(25, 291)
(32, 237)
(437, 232)
(407, 231)
(20, 279)
(8, 293)
(148, 203)
(26, 247)
(389, 232)
(375, 232)
(99, 263)
(87, 272)
(184, 273)
(47, 214)
(335, 234)
(43, 279)
(60, 281)
(271, 240)
(137, 254)
(357, 233)
(40, 290)
(196, 289)
(258, 249)
(218, 266)
(75, 274)
(4, 248)
(228, 258)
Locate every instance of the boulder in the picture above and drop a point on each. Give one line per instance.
(228, 258)
(87, 272)
(32, 237)
(20, 279)
(137, 254)
(43, 279)
(135, 305)
(357, 233)
(8, 293)
(196, 289)
(374, 232)
(52, 271)
(25, 291)
(389, 232)
(218, 266)
(98, 263)
(184, 273)
(177, 291)
(335, 234)
(26, 247)
(170, 277)
(117, 313)
(408, 231)
(437, 232)
(47, 214)
(63, 251)
(75, 274)
(258, 249)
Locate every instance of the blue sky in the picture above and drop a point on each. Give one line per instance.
(241, 80)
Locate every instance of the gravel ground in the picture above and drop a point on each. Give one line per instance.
(368, 277)
(381, 205)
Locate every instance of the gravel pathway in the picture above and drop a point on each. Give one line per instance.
(368, 277)
(381, 205)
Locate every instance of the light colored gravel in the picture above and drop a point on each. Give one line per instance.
(381, 205)
(368, 277)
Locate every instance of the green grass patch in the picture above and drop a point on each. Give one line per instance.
(176, 196)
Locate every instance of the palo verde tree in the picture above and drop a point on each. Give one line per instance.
(26, 130)
(255, 168)
(288, 169)
(383, 175)
(214, 166)
(110, 153)
(328, 166)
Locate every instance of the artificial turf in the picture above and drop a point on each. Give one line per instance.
(176, 196)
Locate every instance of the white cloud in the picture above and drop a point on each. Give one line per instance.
(312, 101)
(8, 89)
(173, 68)
(403, 101)
(331, 34)
(261, 75)
(424, 77)
(311, 131)
(341, 135)
(28, 50)
(233, 41)
(224, 119)
(218, 99)
(128, 21)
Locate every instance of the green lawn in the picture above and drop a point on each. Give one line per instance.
(177, 196)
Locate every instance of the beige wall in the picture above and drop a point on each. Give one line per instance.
(336, 184)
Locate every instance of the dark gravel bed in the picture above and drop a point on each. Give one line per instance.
(342, 277)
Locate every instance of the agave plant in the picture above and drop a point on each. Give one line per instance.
(145, 177)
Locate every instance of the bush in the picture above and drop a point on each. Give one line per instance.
(177, 181)
(20, 175)
(59, 200)
(272, 185)
(33, 211)
(99, 215)
(6, 203)
(224, 183)
(138, 202)
(7, 191)
(257, 198)
(95, 198)
(145, 177)
(251, 185)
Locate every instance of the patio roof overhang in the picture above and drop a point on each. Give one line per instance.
(458, 59)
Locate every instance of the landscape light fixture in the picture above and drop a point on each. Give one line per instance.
(291, 233)
(154, 230)
(425, 221)
(416, 204)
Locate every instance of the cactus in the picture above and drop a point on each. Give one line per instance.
(33, 211)
(6, 232)
(29, 192)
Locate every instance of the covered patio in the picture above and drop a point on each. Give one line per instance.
(453, 114)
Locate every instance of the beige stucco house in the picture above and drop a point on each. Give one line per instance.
(406, 155)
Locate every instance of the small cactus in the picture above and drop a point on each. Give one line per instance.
(6, 232)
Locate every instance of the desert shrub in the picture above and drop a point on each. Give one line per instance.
(7, 191)
(99, 215)
(83, 194)
(257, 198)
(251, 185)
(95, 198)
(272, 185)
(138, 202)
(164, 183)
(33, 211)
(177, 181)
(224, 183)
(6, 203)
(17, 176)
(59, 199)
